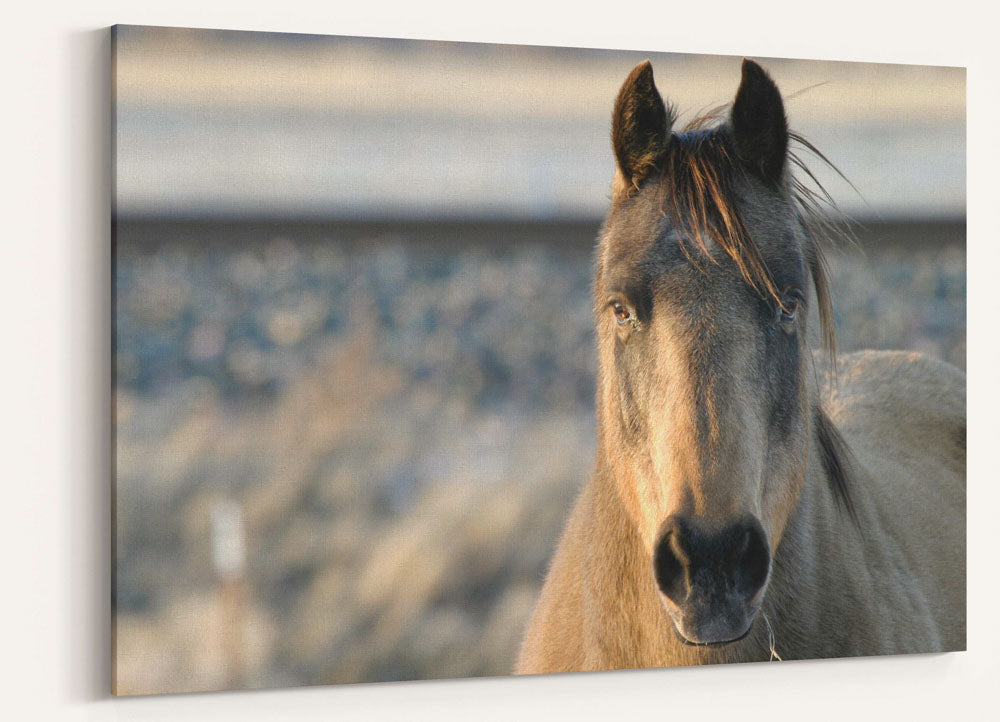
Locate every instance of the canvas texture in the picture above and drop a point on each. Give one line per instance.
(438, 360)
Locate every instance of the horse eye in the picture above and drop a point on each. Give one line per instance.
(622, 314)
(791, 304)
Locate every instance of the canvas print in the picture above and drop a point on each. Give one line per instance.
(439, 360)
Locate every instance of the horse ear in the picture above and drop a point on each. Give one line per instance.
(760, 130)
(640, 126)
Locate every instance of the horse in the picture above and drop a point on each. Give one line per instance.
(754, 497)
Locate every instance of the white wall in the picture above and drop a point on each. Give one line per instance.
(54, 258)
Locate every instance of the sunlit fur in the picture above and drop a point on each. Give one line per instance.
(710, 405)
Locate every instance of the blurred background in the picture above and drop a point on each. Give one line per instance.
(349, 423)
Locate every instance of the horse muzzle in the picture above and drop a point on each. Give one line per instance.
(711, 582)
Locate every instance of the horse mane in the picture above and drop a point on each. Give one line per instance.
(700, 168)
(836, 457)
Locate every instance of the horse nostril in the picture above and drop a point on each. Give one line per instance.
(754, 558)
(743, 546)
(668, 567)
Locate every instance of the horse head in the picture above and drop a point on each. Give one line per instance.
(705, 275)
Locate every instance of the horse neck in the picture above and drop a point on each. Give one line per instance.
(625, 624)
(812, 577)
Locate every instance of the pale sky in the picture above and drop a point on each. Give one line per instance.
(256, 124)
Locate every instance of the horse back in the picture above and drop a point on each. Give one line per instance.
(907, 406)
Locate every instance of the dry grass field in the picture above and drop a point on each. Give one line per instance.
(401, 431)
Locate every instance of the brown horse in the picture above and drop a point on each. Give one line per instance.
(747, 503)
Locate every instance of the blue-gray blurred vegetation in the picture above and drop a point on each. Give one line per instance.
(346, 447)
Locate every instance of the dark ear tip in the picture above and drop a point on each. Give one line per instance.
(641, 72)
(640, 81)
(752, 69)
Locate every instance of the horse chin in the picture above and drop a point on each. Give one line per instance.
(721, 643)
(695, 630)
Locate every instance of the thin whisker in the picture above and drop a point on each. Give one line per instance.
(770, 640)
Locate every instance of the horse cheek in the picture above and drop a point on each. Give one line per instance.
(788, 451)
